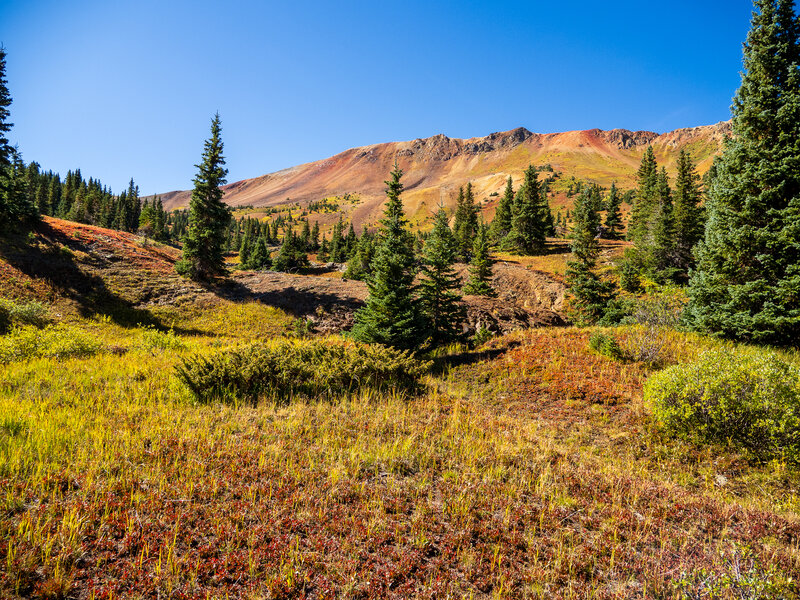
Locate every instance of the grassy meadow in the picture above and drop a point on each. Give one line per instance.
(529, 467)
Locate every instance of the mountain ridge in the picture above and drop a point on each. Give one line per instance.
(435, 166)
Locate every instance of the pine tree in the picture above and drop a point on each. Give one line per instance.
(323, 254)
(645, 199)
(662, 243)
(503, 217)
(688, 214)
(589, 294)
(15, 203)
(747, 282)
(391, 315)
(529, 228)
(466, 222)
(613, 224)
(208, 215)
(480, 269)
(259, 259)
(439, 298)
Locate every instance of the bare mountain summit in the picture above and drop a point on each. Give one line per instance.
(435, 166)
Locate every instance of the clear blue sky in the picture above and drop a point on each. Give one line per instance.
(127, 89)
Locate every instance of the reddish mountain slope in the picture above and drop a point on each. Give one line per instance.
(435, 167)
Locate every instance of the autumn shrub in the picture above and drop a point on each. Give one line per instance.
(314, 368)
(746, 400)
(153, 339)
(54, 341)
(605, 344)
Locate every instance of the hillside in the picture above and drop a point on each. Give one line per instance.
(86, 271)
(435, 167)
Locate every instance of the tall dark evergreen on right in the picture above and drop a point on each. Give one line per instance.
(747, 281)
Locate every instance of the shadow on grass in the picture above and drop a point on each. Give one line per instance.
(55, 264)
(442, 364)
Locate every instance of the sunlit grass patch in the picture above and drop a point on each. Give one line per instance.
(55, 341)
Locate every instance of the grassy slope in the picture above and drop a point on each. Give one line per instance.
(528, 469)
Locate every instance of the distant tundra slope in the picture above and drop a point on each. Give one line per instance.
(437, 165)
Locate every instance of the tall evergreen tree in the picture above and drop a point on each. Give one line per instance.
(391, 314)
(466, 222)
(613, 223)
(747, 281)
(662, 239)
(589, 294)
(438, 289)
(480, 268)
(208, 215)
(645, 199)
(529, 228)
(504, 216)
(688, 214)
(15, 203)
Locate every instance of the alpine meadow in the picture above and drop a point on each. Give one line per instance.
(523, 365)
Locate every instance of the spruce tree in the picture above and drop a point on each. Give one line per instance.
(208, 215)
(15, 203)
(613, 223)
(391, 314)
(503, 217)
(439, 283)
(529, 228)
(645, 199)
(259, 259)
(589, 294)
(480, 269)
(466, 222)
(687, 212)
(747, 281)
(662, 239)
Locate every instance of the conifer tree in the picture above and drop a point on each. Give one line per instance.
(529, 226)
(259, 259)
(391, 315)
(439, 298)
(480, 269)
(747, 282)
(503, 217)
(466, 222)
(613, 223)
(323, 255)
(589, 294)
(662, 239)
(15, 203)
(208, 215)
(645, 199)
(688, 214)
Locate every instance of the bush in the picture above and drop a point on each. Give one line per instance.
(25, 313)
(749, 401)
(605, 344)
(152, 338)
(56, 341)
(320, 368)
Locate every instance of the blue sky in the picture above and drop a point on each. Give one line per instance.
(127, 89)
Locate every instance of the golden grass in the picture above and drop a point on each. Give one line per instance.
(530, 469)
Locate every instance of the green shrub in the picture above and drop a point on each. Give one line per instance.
(605, 344)
(749, 401)
(55, 341)
(152, 338)
(23, 313)
(319, 368)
